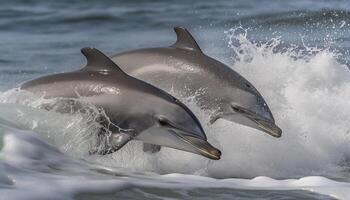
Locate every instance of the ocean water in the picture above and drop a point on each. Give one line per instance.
(296, 53)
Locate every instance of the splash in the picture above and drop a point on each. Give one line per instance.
(72, 132)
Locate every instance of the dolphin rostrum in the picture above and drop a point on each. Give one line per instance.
(143, 111)
(183, 69)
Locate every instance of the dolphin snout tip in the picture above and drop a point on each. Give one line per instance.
(203, 147)
(272, 129)
(211, 152)
(214, 154)
(278, 132)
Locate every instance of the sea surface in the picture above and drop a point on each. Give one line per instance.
(296, 53)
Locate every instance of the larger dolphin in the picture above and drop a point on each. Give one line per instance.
(144, 112)
(183, 68)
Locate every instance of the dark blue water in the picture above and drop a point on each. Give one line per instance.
(43, 37)
(39, 37)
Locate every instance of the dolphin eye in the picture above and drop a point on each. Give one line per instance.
(248, 85)
(236, 109)
(163, 121)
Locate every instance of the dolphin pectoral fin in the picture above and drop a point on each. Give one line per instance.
(185, 40)
(152, 148)
(114, 142)
(214, 118)
(118, 140)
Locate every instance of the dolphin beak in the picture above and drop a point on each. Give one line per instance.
(201, 146)
(269, 127)
(250, 119)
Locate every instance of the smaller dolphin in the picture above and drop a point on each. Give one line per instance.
(184, 69)
(146, 112)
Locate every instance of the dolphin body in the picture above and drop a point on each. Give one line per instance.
(183, 69)
(143, 111)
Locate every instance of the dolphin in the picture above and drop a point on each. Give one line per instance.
(183, 69)
(142, 111)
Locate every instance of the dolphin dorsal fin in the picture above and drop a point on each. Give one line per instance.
(185, 40)
(97, 61)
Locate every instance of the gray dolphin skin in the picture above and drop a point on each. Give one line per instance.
(143, 111)
(183, 69)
